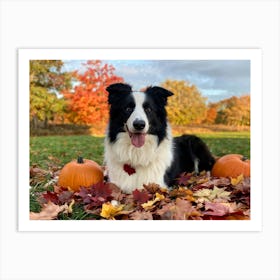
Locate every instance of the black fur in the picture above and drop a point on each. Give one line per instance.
(157, 99)
(188, 149)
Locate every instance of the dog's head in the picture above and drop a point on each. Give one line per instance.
(137, 113)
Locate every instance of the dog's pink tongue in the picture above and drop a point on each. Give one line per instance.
(138, 139)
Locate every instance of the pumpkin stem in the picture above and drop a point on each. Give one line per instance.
(80, 160)
(244, 158)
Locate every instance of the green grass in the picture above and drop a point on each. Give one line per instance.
(221, 143)
(47, 150)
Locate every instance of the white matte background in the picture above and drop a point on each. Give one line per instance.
(139, 24)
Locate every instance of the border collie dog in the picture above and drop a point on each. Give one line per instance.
(139, 147)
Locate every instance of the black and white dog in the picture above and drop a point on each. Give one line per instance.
(139, 147)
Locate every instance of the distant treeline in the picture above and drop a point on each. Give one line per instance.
(81, 98)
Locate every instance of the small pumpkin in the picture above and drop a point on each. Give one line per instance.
(80, 173)
(231, 165)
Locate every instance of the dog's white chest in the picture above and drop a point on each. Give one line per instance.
(130, 167)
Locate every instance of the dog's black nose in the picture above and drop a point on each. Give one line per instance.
(139, 124)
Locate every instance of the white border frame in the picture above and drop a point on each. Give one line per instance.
(254, 55)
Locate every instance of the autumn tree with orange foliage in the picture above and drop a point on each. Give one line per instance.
(234, 111)
(211, 113)
(87, 102)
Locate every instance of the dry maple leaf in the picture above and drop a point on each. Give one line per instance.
(219, 209)
(211, 195)
(69, 208)
(116, 192)
(49, 212)
(238, 180)
(184, 179)
(219, 182)
(183, 193)
(141, 215)
(109, 211)
(180, 210)
(149, 205)
(140, 196)
(152, 188)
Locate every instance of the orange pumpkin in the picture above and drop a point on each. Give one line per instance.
(80, 173)
(231, 165)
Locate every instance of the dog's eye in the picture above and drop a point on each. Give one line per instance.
(128, 109)
(148, 109)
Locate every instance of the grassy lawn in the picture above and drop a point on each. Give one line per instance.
(62, 149)
(221, 143)
(46, 150)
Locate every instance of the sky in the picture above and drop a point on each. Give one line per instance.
(216, 79)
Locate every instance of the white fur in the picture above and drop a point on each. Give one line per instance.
(150, 161)
(138, 112)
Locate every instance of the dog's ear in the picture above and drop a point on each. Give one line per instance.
(115, 90)
(159, 92)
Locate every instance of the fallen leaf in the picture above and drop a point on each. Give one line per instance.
(65, 197)
(140, 196)
(180, 210)
(152, 188)
(211, 195)
(183, 193)
(69, 208)
(148, 205)
(116, 192)
(109, 211)
(184, 179)
(238, 180)
(141, 215)
(219, 209)
(96, 195)
(50, 196)
(49, 212)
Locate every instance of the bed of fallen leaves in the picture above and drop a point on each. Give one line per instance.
(196, 197)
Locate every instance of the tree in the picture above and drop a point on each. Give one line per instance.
(234, 111)
(46, 80)
(211, 113)
(187, 105)
(88, 101)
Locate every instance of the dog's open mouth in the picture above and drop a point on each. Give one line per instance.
(137, 139)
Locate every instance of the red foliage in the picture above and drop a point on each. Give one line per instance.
(140, 196)
(88, 103)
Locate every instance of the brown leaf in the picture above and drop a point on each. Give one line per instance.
(180, 210)
(49, 212)
(183, 193)
(116, 192)
(152, 188)
(219, 209)
(141, 215)
(37, 175)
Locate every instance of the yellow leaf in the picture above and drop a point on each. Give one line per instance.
(236, 181)
(150, 203)
(210, 195)
(69, 208)
(159, 197)
(109, 211)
